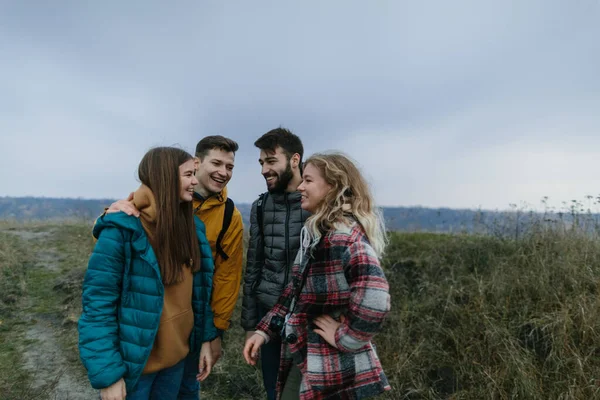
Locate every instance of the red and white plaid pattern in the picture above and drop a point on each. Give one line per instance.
(345, 277)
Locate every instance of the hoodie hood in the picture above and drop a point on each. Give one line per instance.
(117, 220)
(144, 201)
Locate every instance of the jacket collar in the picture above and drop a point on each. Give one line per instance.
(281, 197)
(200, 202)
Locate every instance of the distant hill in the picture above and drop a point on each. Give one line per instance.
(397, 218)
(45, 208)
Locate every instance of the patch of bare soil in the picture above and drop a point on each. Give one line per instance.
(28, 235)
(47, 259)
(44, 356)
(45, 359)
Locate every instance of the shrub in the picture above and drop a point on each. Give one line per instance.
(487, 317)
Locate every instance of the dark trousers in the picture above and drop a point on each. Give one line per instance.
(161, 385)
(189, 385)
(291, 389)
(270, 354)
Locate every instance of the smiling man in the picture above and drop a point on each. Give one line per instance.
(275, 224)
(224, 231)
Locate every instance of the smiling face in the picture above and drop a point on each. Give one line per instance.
(214, 172)
(187, 180)
(276, 169)
(313, 188)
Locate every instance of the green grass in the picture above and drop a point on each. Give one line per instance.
(12, 287)
(481, 317)
(28, 291)
(473, 317)
(232, 378)
(74, 243)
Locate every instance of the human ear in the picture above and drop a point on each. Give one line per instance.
(295, 160)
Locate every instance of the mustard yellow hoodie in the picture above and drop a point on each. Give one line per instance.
(171, 344)
(228, 273)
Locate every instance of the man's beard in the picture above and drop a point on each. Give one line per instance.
(283, 180)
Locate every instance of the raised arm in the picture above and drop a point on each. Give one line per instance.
(125, 205)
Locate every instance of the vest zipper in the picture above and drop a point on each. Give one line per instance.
(287, 240)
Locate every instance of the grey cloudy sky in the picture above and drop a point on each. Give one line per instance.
(443, 103)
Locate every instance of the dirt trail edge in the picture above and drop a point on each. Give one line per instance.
(43, 354)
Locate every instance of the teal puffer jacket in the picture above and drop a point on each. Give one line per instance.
(123, 300)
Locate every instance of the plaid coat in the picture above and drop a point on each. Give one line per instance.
(344, 277)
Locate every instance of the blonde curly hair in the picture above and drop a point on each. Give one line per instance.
(349, 199)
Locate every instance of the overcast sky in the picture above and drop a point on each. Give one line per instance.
(457, 103)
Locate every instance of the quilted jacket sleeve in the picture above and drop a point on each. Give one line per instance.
(208, 329)
(98, 326)
(369, 299)
(254, 264)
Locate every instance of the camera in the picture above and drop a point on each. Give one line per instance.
(277, 324)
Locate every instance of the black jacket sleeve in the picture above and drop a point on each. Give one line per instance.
(254, 265)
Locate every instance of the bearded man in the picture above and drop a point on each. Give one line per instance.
(275, 224)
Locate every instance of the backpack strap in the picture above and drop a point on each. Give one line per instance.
(227, 215)
(260, 211)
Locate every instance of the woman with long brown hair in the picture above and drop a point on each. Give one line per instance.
(147, 288)
(338, 296)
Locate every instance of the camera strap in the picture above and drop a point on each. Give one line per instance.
(298, 286)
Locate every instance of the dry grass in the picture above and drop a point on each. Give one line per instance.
(473, 317)
(13, 378)
(33, 256)
(481, 317)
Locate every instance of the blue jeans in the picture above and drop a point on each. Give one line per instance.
(190, 387)
(161, 385)
(270, 354)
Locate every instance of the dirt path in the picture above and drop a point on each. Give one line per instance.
(43, 354)
(47, 362)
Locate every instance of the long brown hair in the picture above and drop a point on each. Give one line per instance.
(175, 241)
(350, 195)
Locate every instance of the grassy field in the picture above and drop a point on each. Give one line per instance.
(473, 317)
(39, 310)
(12, 288)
